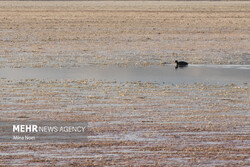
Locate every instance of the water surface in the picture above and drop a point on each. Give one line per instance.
(212, 74)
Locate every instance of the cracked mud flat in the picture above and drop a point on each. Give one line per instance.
(130, 123)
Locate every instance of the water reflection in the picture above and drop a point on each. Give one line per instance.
(159, 74)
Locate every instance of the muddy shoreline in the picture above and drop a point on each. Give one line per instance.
(56, 34)
(155, 124)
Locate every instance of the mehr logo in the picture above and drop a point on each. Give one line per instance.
(25, 128)
(43, 131)
(48, 129)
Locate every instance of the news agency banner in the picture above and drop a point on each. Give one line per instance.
(43, 131)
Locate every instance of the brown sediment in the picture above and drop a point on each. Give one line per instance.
(132, 123)
(54, 34)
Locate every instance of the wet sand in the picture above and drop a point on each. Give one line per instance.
(130, 123)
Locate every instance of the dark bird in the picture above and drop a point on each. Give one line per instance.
(180, 64)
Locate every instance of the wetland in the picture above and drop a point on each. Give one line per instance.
(111, 64)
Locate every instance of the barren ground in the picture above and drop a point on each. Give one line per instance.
(41, 34)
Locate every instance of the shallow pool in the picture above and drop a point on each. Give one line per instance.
(211, 74)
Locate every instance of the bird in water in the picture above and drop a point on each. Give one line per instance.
(180, 64)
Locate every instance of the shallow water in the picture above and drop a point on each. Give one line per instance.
(211, 74)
